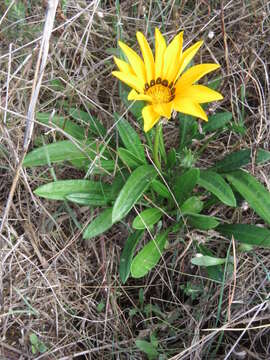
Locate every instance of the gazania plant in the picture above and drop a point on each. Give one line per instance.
(158, 191)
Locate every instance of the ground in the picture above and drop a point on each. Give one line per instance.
(61, 297)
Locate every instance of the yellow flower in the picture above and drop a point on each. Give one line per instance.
(161, 80)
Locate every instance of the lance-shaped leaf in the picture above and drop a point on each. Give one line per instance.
(252, 191)
(90, 199)
(127, 254)
(240, 158)
(59, 190)
(99, 225)
(247, 234)
(205, 260)
(203, 222)
(185, 183)
(128, 158)
(130, 138)
(215, 183)
(68, 126)
(217, 121)
(192, 205)
(147, 218)
(160, 189)
(136, 185)
(149, 256)
(94, 125)
(66, 150)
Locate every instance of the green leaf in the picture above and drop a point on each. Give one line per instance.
(149, 256)
(215, 183)
(17, 11)
(94, 124)
(57, 85)
(42, 348)
(147, 348)
(240, 158)
(99, 225)
(68, 126)
(185, 184)
(252, 191)
(128, 158)
(203, 222)
(33, 339)
(160, 189)
(246, 234)
(171, 158)
(205, 260)
(130, 138)
(245, 248)
(53, 153)
(127, 254)
(188, 128)
(100, 306)
(80, 155)
(192, 205)
(59, 190)
(136, 185)
(217, 121)
(34, 349)
(60, 151)
(262, 156)
(118, 183)
(147, 218)
(215, 273)
(90, 199)
(215, 83)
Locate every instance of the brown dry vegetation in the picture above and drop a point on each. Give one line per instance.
(69, 293)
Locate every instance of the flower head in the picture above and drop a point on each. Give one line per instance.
(162, 81)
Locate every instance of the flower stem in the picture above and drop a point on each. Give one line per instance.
(156, 145)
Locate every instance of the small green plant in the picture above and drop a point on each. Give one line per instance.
(37, 346)
(169, 193)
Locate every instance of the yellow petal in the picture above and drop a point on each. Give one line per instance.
(134, 60)
(133, 95)
(194, 74)
(123, 66)
(164, 109)
(172, 58)
(160, 47)
(150, 117)
(147, 57)
(130, 80)
(201, 94)
(187, 106)
(187, 56)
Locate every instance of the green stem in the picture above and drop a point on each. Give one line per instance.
(149, 141)
(156, 145)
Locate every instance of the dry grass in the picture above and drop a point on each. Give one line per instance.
(68, 293)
